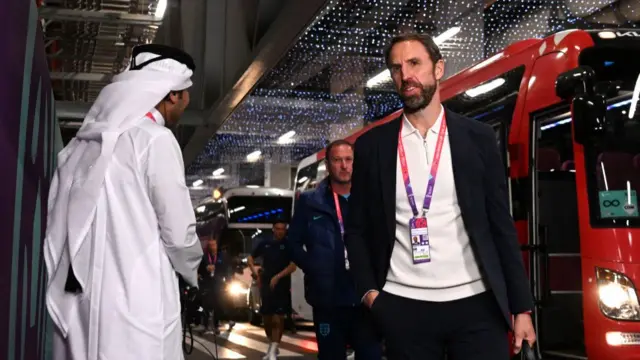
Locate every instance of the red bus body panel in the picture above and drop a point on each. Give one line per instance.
(615, 249)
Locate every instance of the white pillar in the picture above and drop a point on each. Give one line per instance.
(267, 173)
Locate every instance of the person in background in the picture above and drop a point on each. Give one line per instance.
(431, 241)
(317, 246)
(275, 284)
(216, 269)
(121, 225)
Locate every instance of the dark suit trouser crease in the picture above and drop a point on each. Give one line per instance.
(465, 329)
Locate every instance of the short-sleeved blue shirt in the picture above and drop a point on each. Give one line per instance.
(275, 256)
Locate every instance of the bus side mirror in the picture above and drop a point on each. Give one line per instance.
(589, 112)
(580, 80)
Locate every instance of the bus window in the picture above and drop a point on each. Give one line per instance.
(613, 169)
(259, 209)
(321, 172)
(243, 241)
(555, 236)
(310, 176)
(208, 211)
(492, 101)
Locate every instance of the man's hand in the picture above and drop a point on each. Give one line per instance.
(211, 268)
(274, 282)
(370, 298)
(523, 330)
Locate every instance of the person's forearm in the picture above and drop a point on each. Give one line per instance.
(251, 266)
(287, 271)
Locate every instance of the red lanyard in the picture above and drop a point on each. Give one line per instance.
(150, 116)
(432, 174)
(215, 258)
(339, 211)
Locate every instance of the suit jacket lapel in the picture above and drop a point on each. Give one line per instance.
(387, 162)
(462, 155)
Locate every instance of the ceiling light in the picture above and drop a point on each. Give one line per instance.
(239, 208)
(385, 75)
(218, 172)
(161, 8)
(197, 183)
(440, 39)
(607, 35)
(381, 78)
(253, 186)
(286, 137)
(485, 88)
(254, 156)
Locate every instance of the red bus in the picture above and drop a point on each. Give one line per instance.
(563, 110)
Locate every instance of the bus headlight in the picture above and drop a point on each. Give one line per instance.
(617, 295)
(237, 288)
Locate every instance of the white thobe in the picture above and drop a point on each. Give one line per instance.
(142, 235)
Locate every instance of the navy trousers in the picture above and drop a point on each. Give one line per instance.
(338, 327)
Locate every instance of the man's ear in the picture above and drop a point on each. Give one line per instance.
(174, 96)
(439, 69)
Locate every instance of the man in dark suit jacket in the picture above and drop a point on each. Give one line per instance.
(444, 275)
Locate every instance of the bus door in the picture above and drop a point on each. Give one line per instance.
(554, 237)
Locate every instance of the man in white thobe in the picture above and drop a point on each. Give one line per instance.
(121, 227)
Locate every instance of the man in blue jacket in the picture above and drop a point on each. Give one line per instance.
(317, 247)
(215, 270)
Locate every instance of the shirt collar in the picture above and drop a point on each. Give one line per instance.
(157, 116)
(408, 128)
(330, 192)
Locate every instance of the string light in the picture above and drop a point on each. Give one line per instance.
(318, 89)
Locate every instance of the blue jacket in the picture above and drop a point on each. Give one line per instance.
(315, 226)
(222, 274)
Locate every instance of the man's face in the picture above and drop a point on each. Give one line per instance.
(340, 164)
(177, 104)
(279, 231)
(414, 74)
(213, 245)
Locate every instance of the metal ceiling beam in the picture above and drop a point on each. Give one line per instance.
(80, 76)
(69, 110)
(108, 17)
(295, 17)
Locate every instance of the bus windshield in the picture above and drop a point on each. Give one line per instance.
(612, 164)
(208, 211)
(259, 209)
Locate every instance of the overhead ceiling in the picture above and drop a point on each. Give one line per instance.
(319, 87)
(270, 67)
(87, 42)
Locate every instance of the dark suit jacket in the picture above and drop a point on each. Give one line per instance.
(482, 196)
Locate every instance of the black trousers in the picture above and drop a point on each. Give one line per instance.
(465, 329)
(212, 304)
(338, 327)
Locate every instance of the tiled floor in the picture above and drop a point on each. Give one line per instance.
(249, 342)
